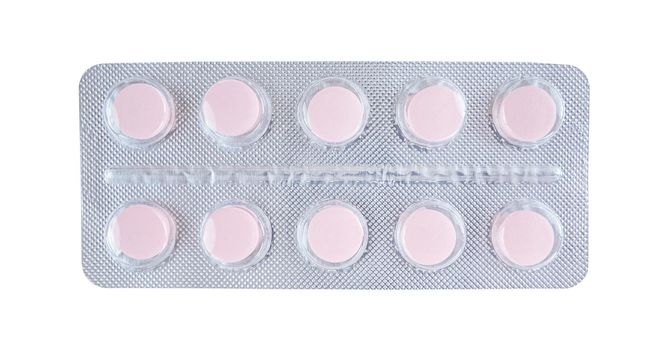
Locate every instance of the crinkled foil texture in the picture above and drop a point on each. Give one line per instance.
(285, 145)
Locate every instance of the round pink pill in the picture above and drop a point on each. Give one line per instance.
(231, 108)
(140, 111)
(528, 114)
(435, 113)
(232, 234)
(335, 114)
(428, 236)
(141, 232)
(335, 234)
(524, 237)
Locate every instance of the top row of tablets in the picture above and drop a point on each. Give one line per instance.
(332, 112)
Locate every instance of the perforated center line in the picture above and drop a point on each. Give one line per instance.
(317, 175)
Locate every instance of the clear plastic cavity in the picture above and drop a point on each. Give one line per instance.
(431, 112)
(430, 235)
(141, 235)
(139, 112)
(332, 235)
(235, 112)
(526, 234)
(333, 112)
(236, 235)
(527, 112)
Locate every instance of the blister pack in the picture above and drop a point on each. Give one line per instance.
(367, 175)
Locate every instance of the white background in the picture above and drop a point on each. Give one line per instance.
(45, 300)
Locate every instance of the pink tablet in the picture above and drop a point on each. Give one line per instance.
(431, 112)
(430, 235)
(333, 235)
(333, 112)
(527, 112)
(526, 235)
(236, 235)
(141, 235)
(139, 112)
(235, 112)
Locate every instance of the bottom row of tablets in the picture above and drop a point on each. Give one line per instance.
(332, 235)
